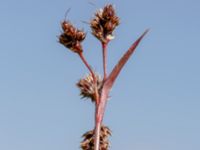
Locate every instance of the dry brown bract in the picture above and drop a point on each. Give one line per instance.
(71, 37)
(104, 23)
(88, 141)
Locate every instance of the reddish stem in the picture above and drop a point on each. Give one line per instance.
(93, 76)
(87, 65)
(97, 121)
(99, 113)
(104, 49)
(97, 129)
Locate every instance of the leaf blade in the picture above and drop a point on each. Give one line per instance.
(118, 67)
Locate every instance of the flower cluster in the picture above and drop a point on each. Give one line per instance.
(87, 86)
(104, 23)
(71, 37)
(88, 141)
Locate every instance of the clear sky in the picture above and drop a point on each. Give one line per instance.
(155, 103)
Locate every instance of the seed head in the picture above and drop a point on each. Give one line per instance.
(88, 141)
(87, 86)
(104, 23)
(71, 37)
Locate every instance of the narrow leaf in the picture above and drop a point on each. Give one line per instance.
(116, 70)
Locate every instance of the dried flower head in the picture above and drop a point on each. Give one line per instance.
(104, 23)
(87, 86)
(71, 37)
(88, 141)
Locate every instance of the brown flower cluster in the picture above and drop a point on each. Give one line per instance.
(104, 23)
(87, 86)
(88, 141)
(71, 37)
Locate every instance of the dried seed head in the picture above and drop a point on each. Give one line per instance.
(71, 37)
(87, 86)
(104, 23)
(88, 141)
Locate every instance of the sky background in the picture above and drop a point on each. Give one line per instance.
(155, 103)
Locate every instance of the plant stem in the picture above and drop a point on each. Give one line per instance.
(99, 113)
(104, 49)
(97, 118)
(97, 129)
(100, 106)
(93, 76)
(87, 65)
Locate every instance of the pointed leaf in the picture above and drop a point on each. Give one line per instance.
(116, 70)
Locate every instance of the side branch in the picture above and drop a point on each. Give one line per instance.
(93, 76)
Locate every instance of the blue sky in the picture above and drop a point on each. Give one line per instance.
(155, 101)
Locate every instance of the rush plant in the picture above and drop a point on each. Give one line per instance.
(94, 86)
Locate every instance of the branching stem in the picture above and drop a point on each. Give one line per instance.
(93, 76)
(87, 65)
(97, 121)
(99, 111)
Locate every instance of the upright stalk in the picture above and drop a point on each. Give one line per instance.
(104, 51)
(97, 129)
(98, 110)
